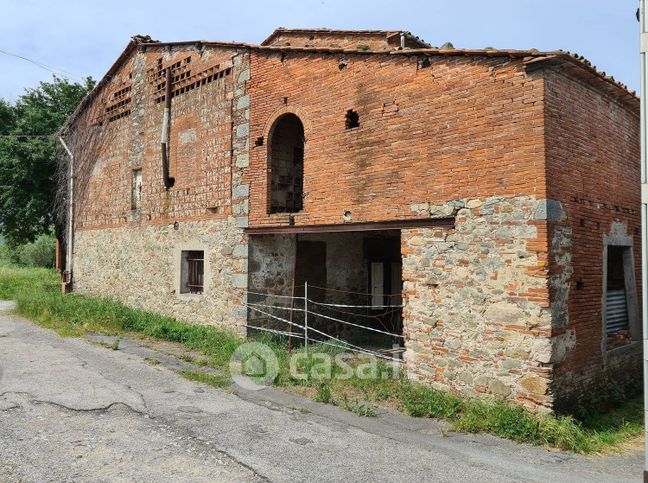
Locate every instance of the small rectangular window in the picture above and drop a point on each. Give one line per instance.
(136, 195)
(192, 272)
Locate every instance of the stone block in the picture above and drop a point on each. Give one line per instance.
(415, 241)
(549, 210)
(240, 251)
(242, 160)
(244, 75)
(243, 102)
(466, 377)
(443, 211)
(498, 388)
(241, 191)
(420, 208)
(240, 280)
(242, 130)
(505, 313)
(535, 384)
(511, 363)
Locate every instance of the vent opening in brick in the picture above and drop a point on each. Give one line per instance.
(352, 119)
(192, 271)
(286, 156)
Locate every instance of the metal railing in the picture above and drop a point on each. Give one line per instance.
(306, 327)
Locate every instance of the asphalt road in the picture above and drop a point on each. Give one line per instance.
(71, 410)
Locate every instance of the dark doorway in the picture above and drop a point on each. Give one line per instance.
(311, 265)
(385, 279)
(354, 286)
(286, 162)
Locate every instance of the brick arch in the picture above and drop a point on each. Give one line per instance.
(297, 111)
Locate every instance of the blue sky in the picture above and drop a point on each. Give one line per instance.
(84, 37)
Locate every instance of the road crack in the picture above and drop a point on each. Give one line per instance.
(100, 409)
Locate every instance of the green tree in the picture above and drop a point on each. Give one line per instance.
(7, 119)
(28, 153)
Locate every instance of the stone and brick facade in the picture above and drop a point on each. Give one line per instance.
(503, 175)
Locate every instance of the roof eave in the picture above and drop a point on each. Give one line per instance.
(623, 93)
(128, 50)
(132, 45)
(532, 57)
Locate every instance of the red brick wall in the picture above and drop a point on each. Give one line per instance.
(593, 169)
(461, 128)
(200, 144)
(346, 40)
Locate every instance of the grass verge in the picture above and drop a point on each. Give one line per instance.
(215, 380)
(38, 298)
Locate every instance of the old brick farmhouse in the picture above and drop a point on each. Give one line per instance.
(494, 194)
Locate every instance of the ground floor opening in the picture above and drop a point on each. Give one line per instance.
(345, 286)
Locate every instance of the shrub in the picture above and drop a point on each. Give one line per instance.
(40, 253)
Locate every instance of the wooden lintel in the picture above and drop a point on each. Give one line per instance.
(445, 223)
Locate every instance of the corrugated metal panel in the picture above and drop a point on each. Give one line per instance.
(616, 311)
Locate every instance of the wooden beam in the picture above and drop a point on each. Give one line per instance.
(445, 223)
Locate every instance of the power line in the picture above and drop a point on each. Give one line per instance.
(53, 70)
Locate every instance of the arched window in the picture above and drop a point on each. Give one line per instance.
(286, 159)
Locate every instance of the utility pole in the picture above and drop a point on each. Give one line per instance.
(643, 20)
(306, 317)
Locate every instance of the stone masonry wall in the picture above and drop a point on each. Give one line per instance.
(140, 267)
(271, 260)
(477, 316)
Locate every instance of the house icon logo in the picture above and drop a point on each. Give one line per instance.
(254, 366)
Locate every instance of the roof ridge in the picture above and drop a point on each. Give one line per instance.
(387, 32)
(144, 41)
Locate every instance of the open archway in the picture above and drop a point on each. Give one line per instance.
(286, 160)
